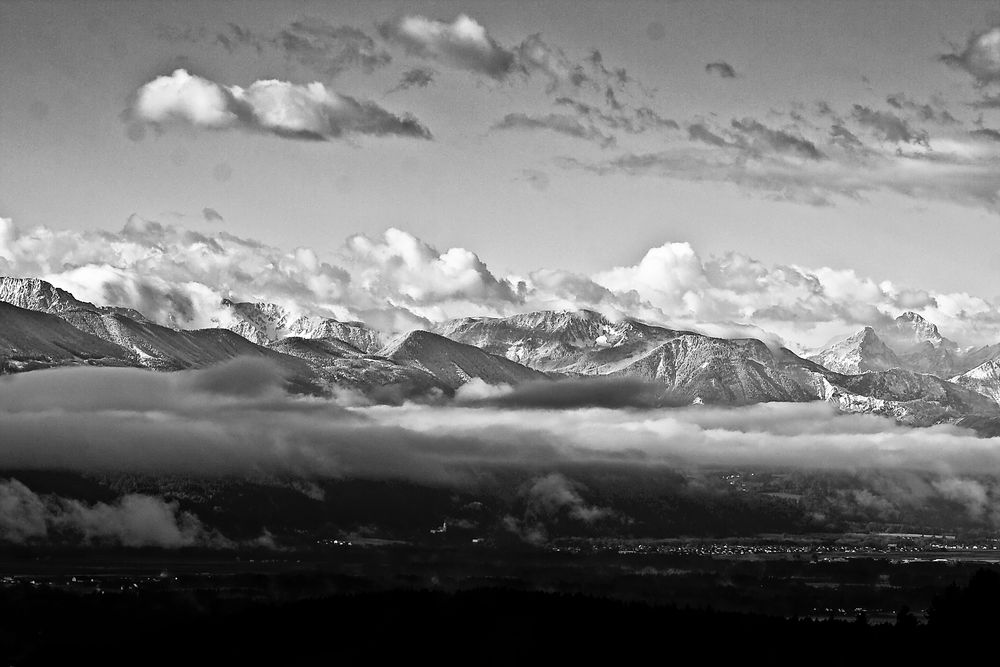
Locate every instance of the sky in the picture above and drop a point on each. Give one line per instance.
(798, 167)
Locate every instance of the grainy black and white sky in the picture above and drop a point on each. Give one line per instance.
(801, 167)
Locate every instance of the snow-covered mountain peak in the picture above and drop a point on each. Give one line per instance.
(862, 352)
(39, 295)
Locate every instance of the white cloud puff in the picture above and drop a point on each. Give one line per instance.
(395, 282)
(463, 43)
(281, 108)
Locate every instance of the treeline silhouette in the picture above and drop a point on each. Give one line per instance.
(484, 626)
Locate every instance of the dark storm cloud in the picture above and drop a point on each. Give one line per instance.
(888, 126)
(721, 69)
(418, 77)
(558, 123)
(980, 57)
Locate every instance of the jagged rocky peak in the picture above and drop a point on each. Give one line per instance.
(910, 330)
(37, 294)
(265, 323)
(862, 352)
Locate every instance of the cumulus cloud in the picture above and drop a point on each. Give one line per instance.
(396, 282)
(275, 107)
(980, 57)
(721, 69)
(134, 520)
(463, 43)
(558, 123)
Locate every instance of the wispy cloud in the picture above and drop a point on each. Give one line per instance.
(559, 123)
(418, 77)
(721, 69)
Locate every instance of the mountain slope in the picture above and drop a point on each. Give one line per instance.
(984, 379)
(166, 349)
(31, 340)
(454, 363)
(39, 295)
(562, 341)
(345, 366)
(715, 370)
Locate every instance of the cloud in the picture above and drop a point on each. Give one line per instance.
(987, 133)
(590, 392)
(849, 160)
(330, 49)
(888, 126)
(418, 77)
(558, 123)
(699, 132)
(980, 58)
(395, 282)
(211, 215)
(721, 69)
(100, 421)
(134, 520)
(538, 180)
(463, 43)
(547, 499)
(275, 107)
(935, 113)
(631, 120)
(759, 137)
(321, 47)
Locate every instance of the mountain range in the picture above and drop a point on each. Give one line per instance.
(906, 370)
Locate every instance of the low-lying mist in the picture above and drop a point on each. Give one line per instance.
(235, 421)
